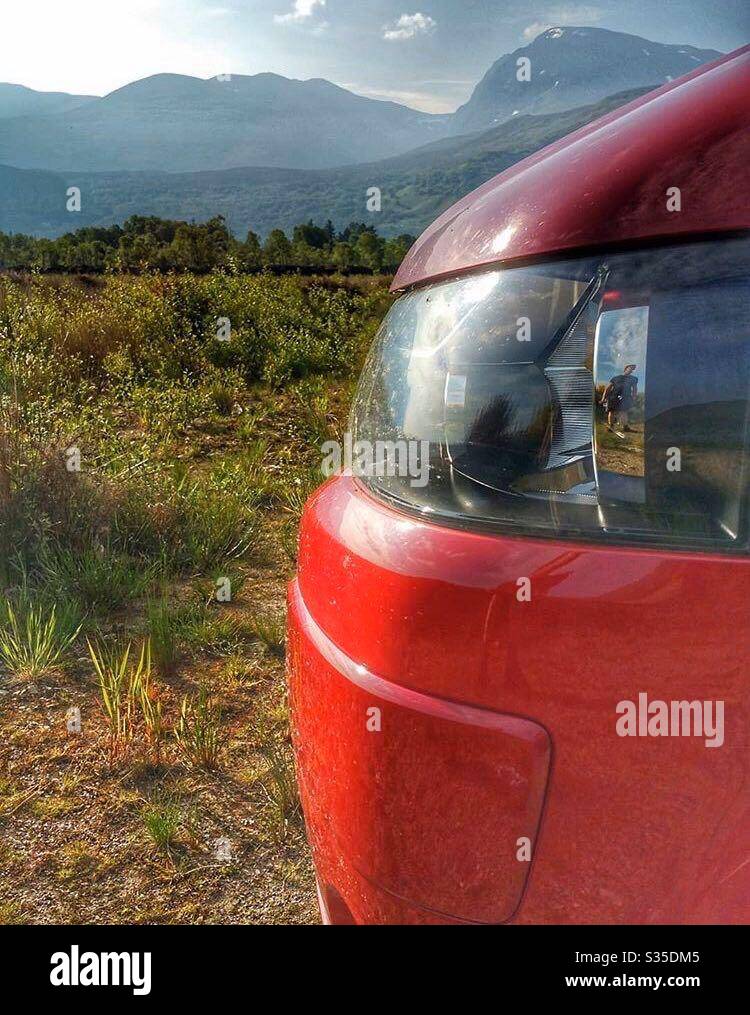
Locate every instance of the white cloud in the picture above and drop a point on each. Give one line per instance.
(409, 26)
(563, 14)
(303, 11)
(535, 28)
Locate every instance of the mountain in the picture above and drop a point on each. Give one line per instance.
(188, 124)
(415, 186)
(176, 123)
(266, 151)
(572, 67)
(17, 100)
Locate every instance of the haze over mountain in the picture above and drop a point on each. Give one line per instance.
(184, 123)
(572, 67)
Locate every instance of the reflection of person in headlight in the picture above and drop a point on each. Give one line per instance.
(619, 396)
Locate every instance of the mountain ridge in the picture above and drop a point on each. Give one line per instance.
(416, 186)
(263, 119)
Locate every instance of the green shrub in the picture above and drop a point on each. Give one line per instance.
(99, 579)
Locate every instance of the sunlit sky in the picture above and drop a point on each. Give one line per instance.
(425, 53)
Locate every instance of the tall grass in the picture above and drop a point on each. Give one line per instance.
(97, 578)
(162, 818)
(145, 693)
(131, 371)
(197, 456)
(35, 637)
(270, 629)
(129, 697)
(189, 522)
(112, 671)
(280, 786)
(198, 731)
(160, 618)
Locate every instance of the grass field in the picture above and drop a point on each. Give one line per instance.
(158, 436)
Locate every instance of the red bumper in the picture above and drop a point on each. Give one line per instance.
(445, 731)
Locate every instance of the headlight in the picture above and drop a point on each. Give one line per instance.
(601, 396)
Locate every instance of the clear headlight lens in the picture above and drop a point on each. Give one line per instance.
(603, 396)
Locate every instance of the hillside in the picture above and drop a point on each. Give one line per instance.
(415, 186)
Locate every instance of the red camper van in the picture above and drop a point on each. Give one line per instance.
(519, 659)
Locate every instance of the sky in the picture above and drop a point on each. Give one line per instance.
(428, 54)
(621, 339)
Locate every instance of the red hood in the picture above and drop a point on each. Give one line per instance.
(607, 182)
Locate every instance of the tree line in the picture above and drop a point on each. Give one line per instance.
(155, 244)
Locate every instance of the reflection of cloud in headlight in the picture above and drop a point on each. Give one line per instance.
(627, 340)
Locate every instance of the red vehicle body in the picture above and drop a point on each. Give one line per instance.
(496, 715)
